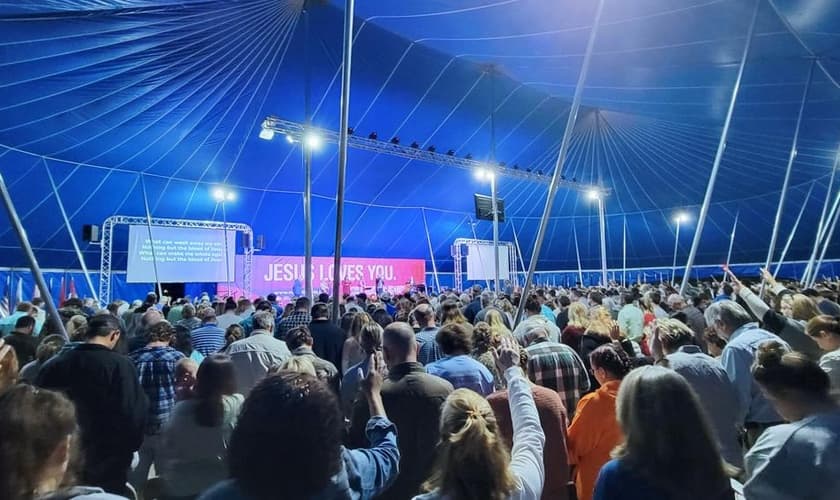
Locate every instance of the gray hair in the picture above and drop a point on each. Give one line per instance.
(487, 298)
(728, 312)
(264, 320)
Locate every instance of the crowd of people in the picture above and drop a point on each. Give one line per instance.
(634, 392)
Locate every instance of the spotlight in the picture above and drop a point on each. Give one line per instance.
(373, 136)
(593, 194)
(350, 131)
(290, 139)
(469, 156)
(539, 172)
(681, 217)
(395, 140)
(219, 194)
(451, 152)
(516, 166)
(266, 134)
(574, 179)
(222, 194)
(528, 169)
(230, 196)
(484, 174)
(562, 177)
(415, 145)
(313, 140)
(431, 148)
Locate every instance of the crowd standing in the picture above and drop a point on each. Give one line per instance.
(615, 392)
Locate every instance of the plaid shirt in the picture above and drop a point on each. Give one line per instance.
(558, 367)
(294, 320)
(156, 369)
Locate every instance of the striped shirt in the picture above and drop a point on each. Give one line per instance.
(558, 367)
(208, 339)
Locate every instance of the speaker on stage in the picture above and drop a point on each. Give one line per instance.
(484, 207)
(90, 232)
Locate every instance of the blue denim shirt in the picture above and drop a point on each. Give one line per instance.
(364, 473)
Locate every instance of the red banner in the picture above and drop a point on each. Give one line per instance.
(284, 275)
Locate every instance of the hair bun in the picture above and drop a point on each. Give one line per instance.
(770, 353)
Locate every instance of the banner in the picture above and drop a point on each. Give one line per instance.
(284, 275)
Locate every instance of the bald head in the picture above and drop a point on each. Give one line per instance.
(399, 344)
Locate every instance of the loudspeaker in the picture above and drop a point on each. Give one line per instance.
(259, 243)
(246, 240)
(90, 232)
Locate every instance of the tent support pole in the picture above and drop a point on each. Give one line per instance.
(786, 183)
(346, 61)
(816, 269)
(14, 220)
(561, 159)
(624, 253)
(307, 161)
(93, 292)
(793, 231)
(710, 187)
(577, 253)
(602, 222)
(151, 238)
(731, 243)
(676, 247)
(824, 217)
(518, 251)
(431, 250)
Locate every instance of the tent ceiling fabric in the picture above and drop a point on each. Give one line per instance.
(102, 92)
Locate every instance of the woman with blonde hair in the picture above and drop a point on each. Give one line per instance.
(663, 424)
(451, 313)
(825, 330)
(789, 323)
(9, 366)
(800, 459)
(497, 324)
(576, 327)
(75, 327)
(473, 461)
(485, 341)
(352, 352)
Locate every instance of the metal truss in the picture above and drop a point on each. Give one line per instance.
(116, 220)
(296, 132)
(458, 256)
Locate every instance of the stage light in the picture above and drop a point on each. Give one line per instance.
(681, 217)
(529, 169)
(451, 152)
(469, 156)
(516, 166)
(562, 177)
(484, 174)
(395, 140)
(415, 145)
(313, 140)
(350, 131)
(222, 194)
(431, 148)
(373, 136)
(290, 139)
(574, 179)
(266, 134)
(593, 195)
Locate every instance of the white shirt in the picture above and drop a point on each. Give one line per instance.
(536, 321)
(253, 356)
(526, 457)
(830, 363)
(796, 461)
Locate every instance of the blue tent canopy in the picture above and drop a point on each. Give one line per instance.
(111, 95)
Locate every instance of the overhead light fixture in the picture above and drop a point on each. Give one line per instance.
(373, 136)
(593, 194)
(266, 134)
(451, 152)
(516, 166)
(503, 164)
(222, 194)
(484, 174)
(468, 156)
(415, 145)
(681, 217)
(431, 148)
(290, 139)
(313, 140)
(395, 140)
(350, 131)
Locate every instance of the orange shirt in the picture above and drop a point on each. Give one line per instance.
(593, 435)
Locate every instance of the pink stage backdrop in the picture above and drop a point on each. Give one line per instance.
(283, 275)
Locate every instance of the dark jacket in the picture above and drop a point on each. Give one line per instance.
(110, 404)
(327, 340)
(413, 400)
(472, 310)
(24, 346)
(562, 319)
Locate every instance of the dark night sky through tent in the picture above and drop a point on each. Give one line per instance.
(102, 92)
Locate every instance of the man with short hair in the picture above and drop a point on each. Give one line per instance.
(562, 313)
(229, 316)
(110, 403)
(428, 350)
(557, 367)
(22, 339)
(656, 300)
(247, 323)
(673, 347)
(693, 318)
(472, 309)
(155, 365)
(22, 309)
(300, 317)
(413, 400)
(535, 319)
(208, 338)
(731, 322)
(253, 356)
(188, 318)
(457, 366)
(327, 338)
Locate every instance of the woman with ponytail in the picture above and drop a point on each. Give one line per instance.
(473, 462)
(825, 330)
(800, 459)
(594, 431)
